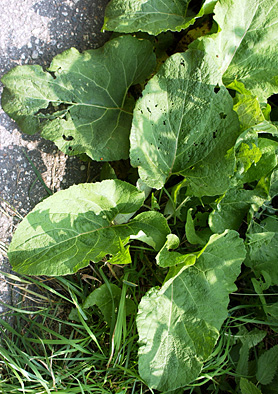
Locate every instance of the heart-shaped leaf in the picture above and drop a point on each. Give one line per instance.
(81, 103)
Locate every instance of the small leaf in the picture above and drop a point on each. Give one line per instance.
(248, 387)
(231, 209)
(151, 228)
(122, 257)
(262, 248)
(247, 106)
(101, 297)
(246, 156)
(273, 191)
(246, 151)
(73, 315)
(251, 338)
(167, 258)
(154, 203)
(190, 231)
(267, 365)
(256, 156)
(267, 162)
(271, 311)
(124, 218)
(107, 172)
(242, 364)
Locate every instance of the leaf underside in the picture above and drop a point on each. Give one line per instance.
(75, 226)
(151, 16)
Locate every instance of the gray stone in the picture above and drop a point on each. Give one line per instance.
(35, 54)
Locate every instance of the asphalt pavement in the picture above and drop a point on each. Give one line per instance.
(33, 32)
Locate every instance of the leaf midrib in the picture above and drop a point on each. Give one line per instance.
(56, 244)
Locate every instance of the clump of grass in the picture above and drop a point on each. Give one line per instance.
(49, 343)
(43, 351)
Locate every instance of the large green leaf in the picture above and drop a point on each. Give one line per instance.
(246, 45)
(191, 235)
(183, 125)
(151, 16)
(74, 226)
(81, 104)
(179, 324)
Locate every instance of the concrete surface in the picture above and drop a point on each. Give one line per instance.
(32, 32)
